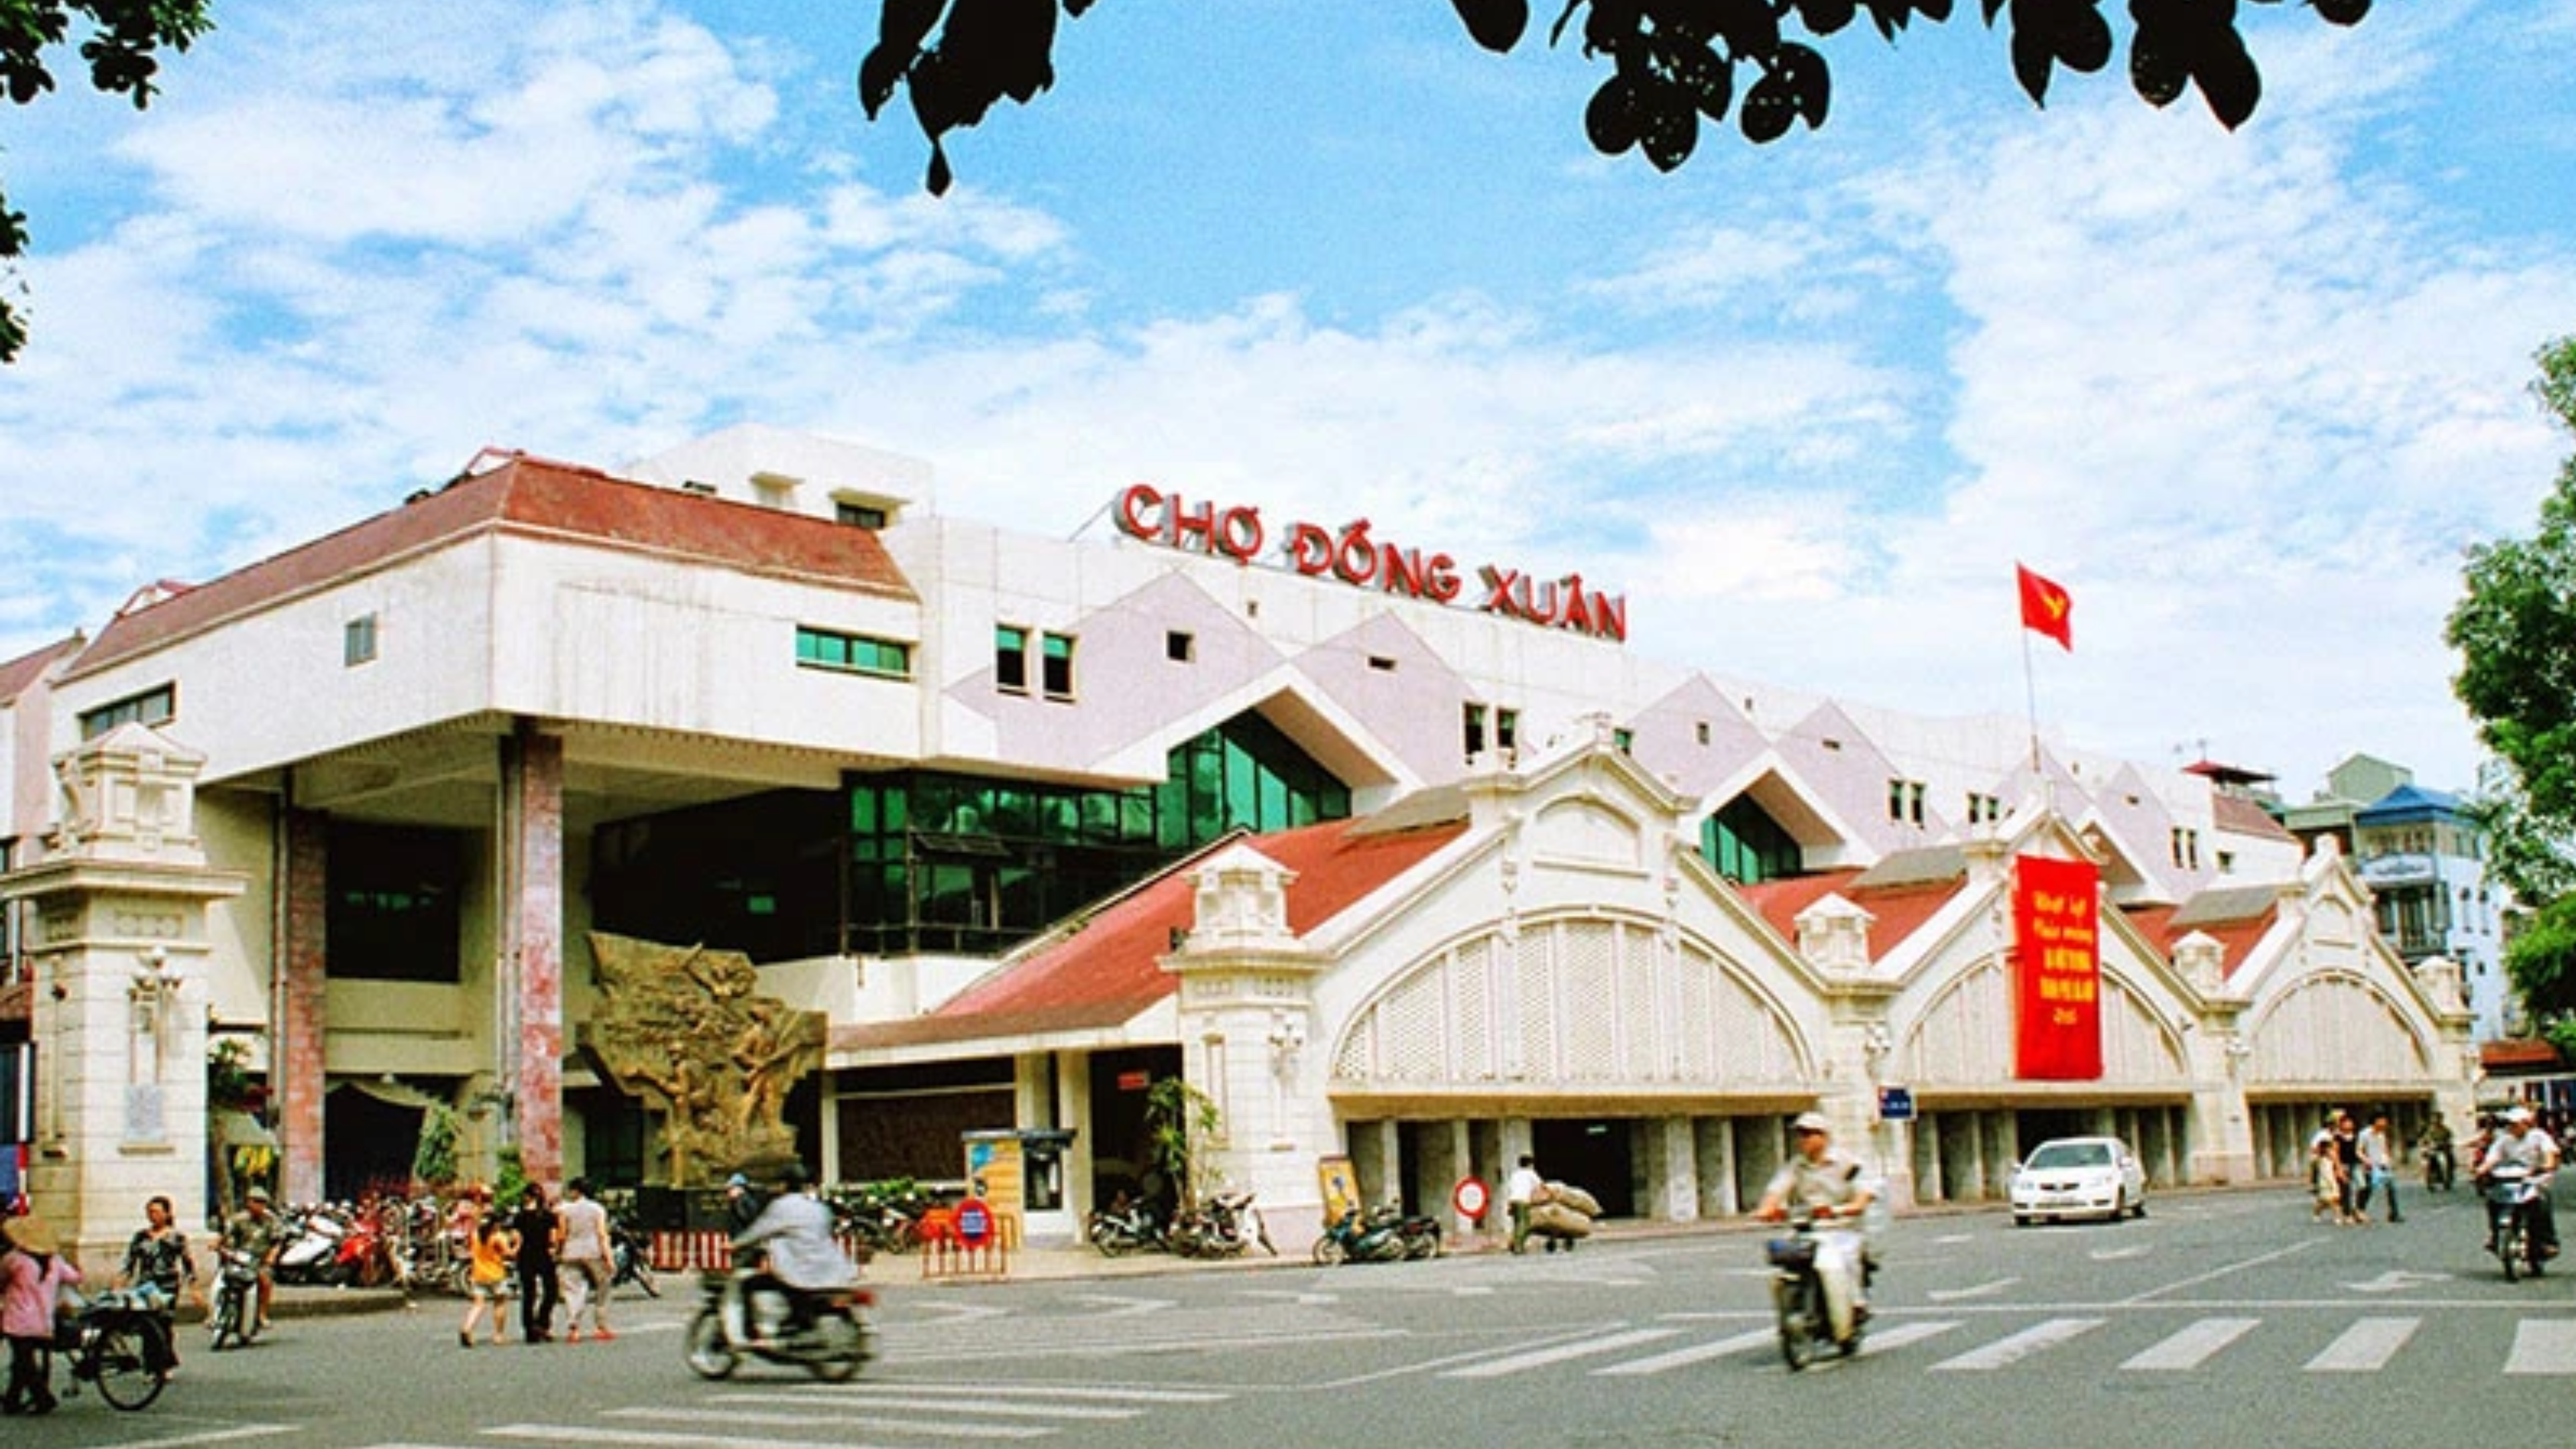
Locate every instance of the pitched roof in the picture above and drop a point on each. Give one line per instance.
(2239, 816)
(1109, 970)
(2524, 1052)
(1897, 909)
(2237, 919)
(26, 669)
(527, 496)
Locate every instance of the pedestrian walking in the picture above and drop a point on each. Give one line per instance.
(2325, 1183)
(536, 1228)
(33, 1274)
(487, 1280)
(1523, 1189)
(2347, 1145)
(2379, 1168)
(588, 1269)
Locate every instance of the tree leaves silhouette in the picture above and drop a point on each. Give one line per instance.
(1674, 64)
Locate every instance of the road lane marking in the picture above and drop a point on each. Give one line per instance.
(2398, 1280)
(1000, 1391)
(1953, 1295)
(935, 1428)
(2366, 1347)
(1898, 1335)
(2192, 1346)
(2543, 1346)
(1696, 1353)
(2005, 1352)
(593, 1434)
(1540, 1358)
(974, 1403)
(212, 1436)
(2215, 1274)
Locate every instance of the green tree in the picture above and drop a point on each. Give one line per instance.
(2515, 629)
(1672, 63)
(1178, 1117)
(122, 52)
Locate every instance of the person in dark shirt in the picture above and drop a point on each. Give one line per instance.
(534, 1222)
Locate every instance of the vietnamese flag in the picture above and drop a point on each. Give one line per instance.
(2046, 608)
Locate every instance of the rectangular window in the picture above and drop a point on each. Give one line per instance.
(1383, 664)
(1179, 647)
(358, 641)
(1905, 801)
(1701, 730)
(1056, 680)
(151, 707)
(1507, 730)
(858, 515)
(1624, 740)
(2186, 848)
(852, 653)
(1011, 659)
(1984, 809)
(1473, 730)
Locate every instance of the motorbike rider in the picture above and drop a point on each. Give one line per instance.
(2434, 1142)
(803, 1258)
(1827, 1186)
(2519, 1142)
(256, 1231)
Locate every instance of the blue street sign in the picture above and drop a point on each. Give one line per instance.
(1896, 1104)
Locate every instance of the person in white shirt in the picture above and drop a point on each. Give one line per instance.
(1525, 1188)
(2518, 1142)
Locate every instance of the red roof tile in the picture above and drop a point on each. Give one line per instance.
(2518, 1052)
(1109, 971)
(526, 496)
(2236, 939)
(26, 669)
(2239, 816)
(1896, 912)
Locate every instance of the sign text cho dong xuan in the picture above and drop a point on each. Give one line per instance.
(1352, 556)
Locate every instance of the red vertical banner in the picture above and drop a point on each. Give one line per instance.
(2057, 977)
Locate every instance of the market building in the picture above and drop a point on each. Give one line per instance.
(1398, 858)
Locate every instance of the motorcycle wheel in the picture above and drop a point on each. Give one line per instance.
(2509, 1246)
(840, 1348)
(640, 1273)
(710, 1357)
(226, 1314)
(121, 1359)
(1329, 1251)
(1802, 1311)
(1423, 1245)
(1111, 1242)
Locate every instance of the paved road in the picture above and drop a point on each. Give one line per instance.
(2223, 1318)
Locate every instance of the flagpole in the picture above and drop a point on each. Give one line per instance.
(2030, 689)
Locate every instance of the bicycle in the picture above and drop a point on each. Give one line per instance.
(118, 1341)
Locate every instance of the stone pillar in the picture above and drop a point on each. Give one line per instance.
(118, 943)
(298, 1069)
(1713, 1157)
(1672, 1170)
(536, 847)
(1246, 1014)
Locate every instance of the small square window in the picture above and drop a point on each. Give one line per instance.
(358, 641)
(1180, 647)
(1383, 664)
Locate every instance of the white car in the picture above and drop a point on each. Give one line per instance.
(2079, 1177)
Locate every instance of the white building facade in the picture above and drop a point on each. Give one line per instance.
(758, 694)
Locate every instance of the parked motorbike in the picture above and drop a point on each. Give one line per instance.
(234, 1315)
(119, 1341)
(1222, 1227)
(312, 1254)
(1125, 1226)
(2513, 1201)
(1798, 1293)
(735, 1321)
(630, 1260)
(1362, 1237)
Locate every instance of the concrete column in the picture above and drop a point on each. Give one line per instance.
(1374, 1158)
(1073, 1109)
(536, 847)
(1672, 1170)
(1713, 1159)
(299, 1073)
(1444, 1159)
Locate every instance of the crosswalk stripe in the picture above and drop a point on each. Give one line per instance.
(2366, 1347)
(981, 1392)
(1898, 1335)
(968, 1403)
(1540, 1358)
(1696, 1353)
(211, 1436)
(593, 1434)
(2004, 1352)
(2543, 1346)
(2192, 1346)
(935, 1428)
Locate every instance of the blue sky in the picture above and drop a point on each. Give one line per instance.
(2247, 396)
